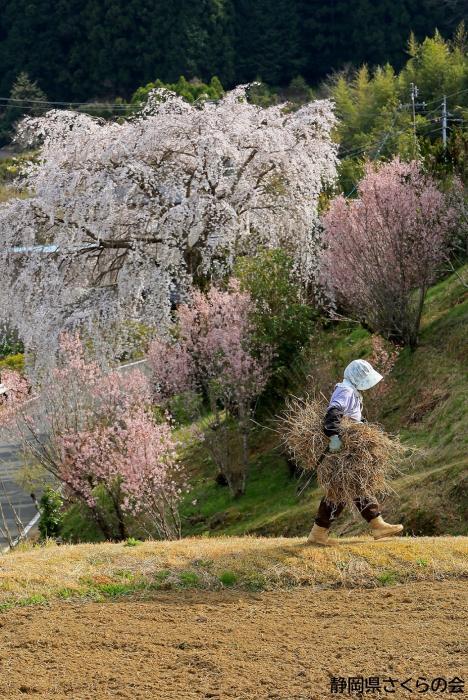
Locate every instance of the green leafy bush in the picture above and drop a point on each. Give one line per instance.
(191, 91)
(282, 320)
(50, 521)
(185, 408)
(14, 362)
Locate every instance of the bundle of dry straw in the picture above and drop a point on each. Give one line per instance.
(361, 468)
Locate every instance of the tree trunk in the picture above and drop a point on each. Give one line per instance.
(101, 523)
(414, 330)
(120, 517)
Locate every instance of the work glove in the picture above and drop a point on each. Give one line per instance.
(335, 444)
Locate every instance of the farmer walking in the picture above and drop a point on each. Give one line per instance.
(346, 401)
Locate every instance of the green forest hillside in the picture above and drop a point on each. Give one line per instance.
(79, 51)
(426, 402)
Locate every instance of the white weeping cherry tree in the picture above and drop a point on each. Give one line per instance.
(120, 217)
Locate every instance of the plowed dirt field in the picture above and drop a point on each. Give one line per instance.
(231, 645)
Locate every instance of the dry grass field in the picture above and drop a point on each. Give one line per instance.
(96, 571)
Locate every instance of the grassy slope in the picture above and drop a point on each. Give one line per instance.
(426, 404)
(39, 575)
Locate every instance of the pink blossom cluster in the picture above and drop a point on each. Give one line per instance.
(17, 393)
(214, 350)
(133, 457)
(172, 368)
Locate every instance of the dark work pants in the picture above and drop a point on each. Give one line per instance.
(327, 512)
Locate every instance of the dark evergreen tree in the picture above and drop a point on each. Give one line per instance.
(333, 34)
(26, 98)
(200, 41)
(268, 41)
(28, 42)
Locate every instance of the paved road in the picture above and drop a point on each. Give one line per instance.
(12, 496)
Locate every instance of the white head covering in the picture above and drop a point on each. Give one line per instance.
(362, 375)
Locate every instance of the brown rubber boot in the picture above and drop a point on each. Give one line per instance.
(382, 529)
(318, 535)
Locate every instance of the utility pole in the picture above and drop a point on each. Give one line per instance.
(414, 106)
(414, 94)
(444, 122)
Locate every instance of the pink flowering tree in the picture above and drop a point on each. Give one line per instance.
(172, 368)
(384, 248)
(94, 431)
(15, 395)
(121, 216)
(215, 353)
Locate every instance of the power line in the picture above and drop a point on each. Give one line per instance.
(386, 136)
(21, 102)
(379, 111)
(432, 131)
(52, 102)
(130, 105)
(380, 146)
(381, 142)
(353, 152)
(452, 94)
(414, 93)
(361, 149)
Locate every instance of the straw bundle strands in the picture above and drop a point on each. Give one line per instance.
(362, 467)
